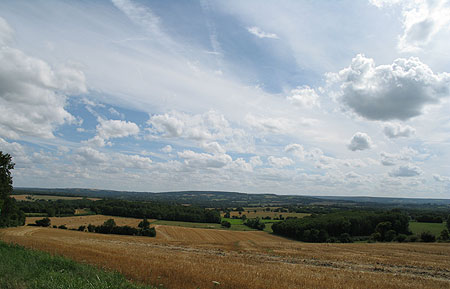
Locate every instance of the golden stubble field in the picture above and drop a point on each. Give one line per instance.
(193, 258)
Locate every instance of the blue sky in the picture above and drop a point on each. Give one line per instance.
(287, 97)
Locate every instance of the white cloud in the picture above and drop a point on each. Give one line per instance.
(256, 161)
(388, 159)
(385, 92)
(405, 154)
(213, 147)
(202, 160)
(17, 152)
(167, 149)
(296, 149)
(131, 161)
(421, 19)
(304, 96)
(89, 156)
(32, 100)
(261, 34)
(207, 126)
(408, 170)
(396, 130)
(108, 129)
(442, 179)
(112, 128)
(141, 15)
(6, 32)
(360, 141)
(280, 162)
(113, 111)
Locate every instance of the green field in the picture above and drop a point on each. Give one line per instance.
(236, 224)
(25, 268)
(187, 224)
(419, 227)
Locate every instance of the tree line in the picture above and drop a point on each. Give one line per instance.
(123, 208)
(344, 226)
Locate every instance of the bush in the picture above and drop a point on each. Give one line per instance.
(400, 238)
(149, 232)
(345, 238)
(412, 238)
(45, 222)
(144, 224)
(81, 228)
(62, 227)
(427, 237)
(376, 237)
(226, 224)
(390, 235)
(91, 228)
(444, 236)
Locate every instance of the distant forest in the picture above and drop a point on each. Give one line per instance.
(122, 208)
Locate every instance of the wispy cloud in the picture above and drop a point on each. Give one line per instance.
(261, 34)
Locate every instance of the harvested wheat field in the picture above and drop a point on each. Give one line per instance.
(75, 221)
(194, 258)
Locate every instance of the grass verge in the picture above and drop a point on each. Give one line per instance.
(25, 268)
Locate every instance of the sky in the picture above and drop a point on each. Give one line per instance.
(348, 98)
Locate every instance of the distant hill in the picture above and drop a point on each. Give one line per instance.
(387, 200)
(227, 199)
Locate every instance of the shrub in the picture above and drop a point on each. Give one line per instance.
(226, 224)
(427, 237)
(376, 237)
(91, 228)
(400, 238)
(62, 227)
(144, 224)
(81, 228)
(345, 238)
(389, 235)
(45, 222)
(444, 236)
(149, 232)
(412, 238)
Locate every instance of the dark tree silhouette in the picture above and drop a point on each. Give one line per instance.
(10, 215)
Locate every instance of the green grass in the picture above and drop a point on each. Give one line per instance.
(187, 224)
(236, 225)
(419, 227)
(22, 268)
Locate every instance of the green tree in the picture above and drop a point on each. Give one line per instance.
(448, 222)
(144, 224)
(444, 235)
(45, 222)
(226, 224)
(10, 215)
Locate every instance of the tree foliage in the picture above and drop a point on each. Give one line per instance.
(110, 227)
(340, 225)
(10, 215)
(255, 223)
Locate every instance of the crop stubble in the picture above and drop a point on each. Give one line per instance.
(192, 258)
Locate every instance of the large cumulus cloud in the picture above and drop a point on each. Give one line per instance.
(400, 90)
(33, 94)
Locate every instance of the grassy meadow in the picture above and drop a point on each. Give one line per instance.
(434, 228)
